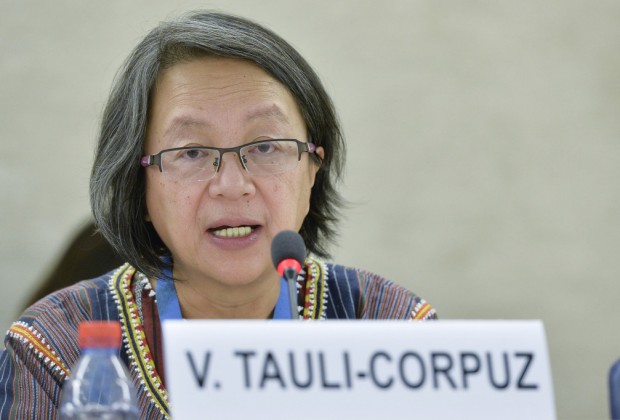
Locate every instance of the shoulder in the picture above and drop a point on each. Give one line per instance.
(377, 297)
(47, 331)
(84, 300)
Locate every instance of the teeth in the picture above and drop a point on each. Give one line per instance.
(233, 232)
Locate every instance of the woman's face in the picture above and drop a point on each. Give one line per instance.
(223, 102)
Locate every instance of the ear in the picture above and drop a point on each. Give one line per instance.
(320, 152)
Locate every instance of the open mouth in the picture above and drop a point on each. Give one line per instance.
(232, 232)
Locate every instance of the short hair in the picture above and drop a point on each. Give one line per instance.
(117, 183)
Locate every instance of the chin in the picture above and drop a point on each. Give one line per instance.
(243, 274)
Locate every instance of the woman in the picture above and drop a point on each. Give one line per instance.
(217, 136)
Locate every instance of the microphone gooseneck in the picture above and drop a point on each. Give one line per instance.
(288, 252)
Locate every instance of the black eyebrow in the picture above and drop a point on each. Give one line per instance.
(179, 123)
(273, 111)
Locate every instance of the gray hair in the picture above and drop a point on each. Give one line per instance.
(117, 184)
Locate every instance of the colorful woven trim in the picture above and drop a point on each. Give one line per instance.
(422, 311)
(35, 341)
(315, 298)
(135, 340)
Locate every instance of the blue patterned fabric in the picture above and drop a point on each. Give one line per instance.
(42, 346)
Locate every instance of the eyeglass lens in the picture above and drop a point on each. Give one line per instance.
(200, 164)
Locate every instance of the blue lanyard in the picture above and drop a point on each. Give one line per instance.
(168, 301)
(283, 306)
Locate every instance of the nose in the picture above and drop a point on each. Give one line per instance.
(232, 181)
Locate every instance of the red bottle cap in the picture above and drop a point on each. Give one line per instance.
(100, 334)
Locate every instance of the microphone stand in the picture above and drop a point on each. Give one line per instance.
(291, 278)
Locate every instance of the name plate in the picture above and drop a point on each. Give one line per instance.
(358, 369)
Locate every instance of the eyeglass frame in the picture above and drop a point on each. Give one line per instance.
(302, 147)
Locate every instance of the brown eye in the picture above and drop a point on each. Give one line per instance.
(196, 153)
(263, 148)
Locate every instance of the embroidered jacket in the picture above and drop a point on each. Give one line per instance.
(43, 345)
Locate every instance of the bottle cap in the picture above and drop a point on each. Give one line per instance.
(100, 334)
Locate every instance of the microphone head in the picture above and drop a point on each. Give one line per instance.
(287, 245)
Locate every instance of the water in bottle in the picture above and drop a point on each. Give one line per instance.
(99, 386)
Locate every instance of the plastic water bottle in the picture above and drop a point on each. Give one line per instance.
(99, 386)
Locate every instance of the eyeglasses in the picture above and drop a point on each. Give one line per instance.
(201, 163)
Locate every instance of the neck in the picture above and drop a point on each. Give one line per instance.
(204, 300)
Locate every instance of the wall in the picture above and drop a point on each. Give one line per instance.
(483, 151)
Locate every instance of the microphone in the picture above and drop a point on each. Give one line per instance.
(287, 253)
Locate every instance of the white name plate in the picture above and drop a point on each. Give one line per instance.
(358, 369)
